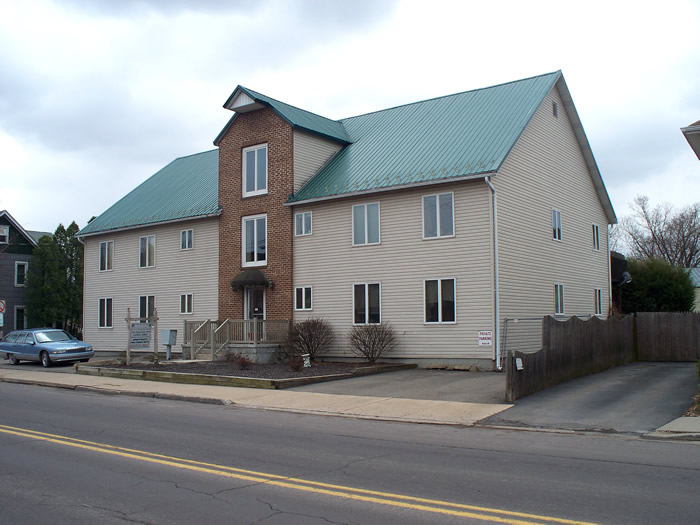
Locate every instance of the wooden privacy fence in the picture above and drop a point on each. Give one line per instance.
(576, 348)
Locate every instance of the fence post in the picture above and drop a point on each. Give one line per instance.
(212, 342)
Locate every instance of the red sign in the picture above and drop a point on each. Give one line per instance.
(2, 306)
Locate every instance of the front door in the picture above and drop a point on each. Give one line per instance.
(255, 304)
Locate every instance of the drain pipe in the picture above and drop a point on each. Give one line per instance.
(496, 332)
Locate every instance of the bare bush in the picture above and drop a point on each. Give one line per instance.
(372, 341)
(310, 336)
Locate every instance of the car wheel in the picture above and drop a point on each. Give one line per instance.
(45, 360)
(84, 360)
(13, 359)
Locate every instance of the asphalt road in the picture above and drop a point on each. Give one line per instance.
(78, 457)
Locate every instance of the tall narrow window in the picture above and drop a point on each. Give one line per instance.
(186, 303)
(596, 237)
(438, 216)
(105, 313)
(4, 234)
(254, 240)
(147, 305)
(302, 300)
(20, 318)
(598, 300)
(21, 273)
(365, 224)
(255, 170)
(106, 255)
(440, 305)
(366, 303)
(186, 239)
(302, 223)
(147, 251)
(556, 225)
(559, 299)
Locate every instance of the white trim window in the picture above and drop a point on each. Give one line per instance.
(4, 234)
(186, 303)
(21, 269)
(559, 299)
(302, 298)
(598, 301)
(255, 170)
(365, 224)
(104, 316)
(147, 251)
(440, 301)
(147, 306)
(596, 237)
(254, 237)
(302, 223)
(366, 303)
(106, 256)
(438, 216)
(21, 320)
(186, 239)
(556, 225)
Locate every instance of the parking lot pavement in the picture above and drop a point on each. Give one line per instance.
(36, 366)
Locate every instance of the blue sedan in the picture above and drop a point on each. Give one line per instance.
(47, 345)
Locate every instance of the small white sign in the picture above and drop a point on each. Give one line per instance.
(2, 319)
(485, 338)
(140, 336)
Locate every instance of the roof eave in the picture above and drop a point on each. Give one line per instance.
(19, 228)
(150, 224)
(692, 135)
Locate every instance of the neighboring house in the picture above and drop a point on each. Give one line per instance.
(16, 247)
(695, 277)
(441, 218)
(157, 248)
(692, 135)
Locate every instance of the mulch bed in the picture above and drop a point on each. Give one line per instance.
(228, 368)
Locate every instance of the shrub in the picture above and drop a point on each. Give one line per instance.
(371, 341)
(295, 362)
(310, 336)
(242, 361)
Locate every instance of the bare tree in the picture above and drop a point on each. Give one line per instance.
(663, 233)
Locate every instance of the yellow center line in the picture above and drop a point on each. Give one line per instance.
(370, 496)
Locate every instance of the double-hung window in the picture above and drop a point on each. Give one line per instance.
(559, 299)
(147, 251)
(302, 223)
(596, 237)
(186, 239)
(366, 303)
(147, 306)
(4, 234)
(21, 273)
(104, 318)
(365, 224)
(106, 255)
(255, 170)
(556, 225)
(440, 304)
(255, 240)
(186, 303)
(598, 300)
(438, 216)
(302, 299)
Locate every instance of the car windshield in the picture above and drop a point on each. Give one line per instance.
(52, 335)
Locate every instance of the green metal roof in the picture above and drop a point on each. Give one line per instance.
(188, 187)
(461, 135)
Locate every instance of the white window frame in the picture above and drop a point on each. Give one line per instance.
(149, 299)
(367, 285)
(253, 218)
(379, 224)
(188, 304)
(556, 225)
(303, 231)
(425, 306)
(244, 163)
(598, 301)
(153, 262)
(108, 306)
(4, 234)
(187, 239)
(559, 304)
(25, 319)
(305, 291)
(109, 254)
(26, 270)
(438, 222)
(596, 237)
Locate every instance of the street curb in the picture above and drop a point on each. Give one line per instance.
(673, 436)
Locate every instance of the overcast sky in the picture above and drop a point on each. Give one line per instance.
(97, 95)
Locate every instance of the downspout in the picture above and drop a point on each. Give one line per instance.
(496, 332)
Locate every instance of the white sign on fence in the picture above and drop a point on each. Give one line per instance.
(140, 336)
(485, 338)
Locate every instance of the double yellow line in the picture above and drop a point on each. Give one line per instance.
(341, 491)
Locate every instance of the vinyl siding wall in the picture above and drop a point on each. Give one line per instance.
(311, 152)
(176, 272)
(546, 171)
(329, 263)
